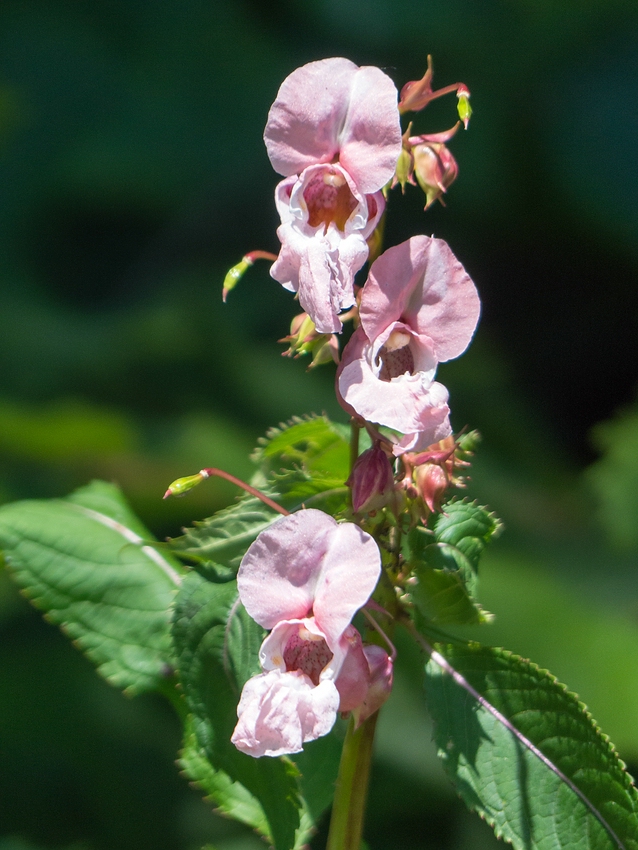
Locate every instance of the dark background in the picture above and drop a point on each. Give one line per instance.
(133, 175)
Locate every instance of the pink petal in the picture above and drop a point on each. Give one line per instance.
(279, 572)
(349, 573)
(307, 563)
(332, 109)
(422, 283)
(320, 263)
(279, 712)
(423, 439)
(308, 113)
(371, 136)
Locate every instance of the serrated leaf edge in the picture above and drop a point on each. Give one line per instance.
(460, 680)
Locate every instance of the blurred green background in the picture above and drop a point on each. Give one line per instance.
(132, 176)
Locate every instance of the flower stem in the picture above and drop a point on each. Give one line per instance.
(348, 808)
(355, 430)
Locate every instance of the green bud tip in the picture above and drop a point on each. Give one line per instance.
(463, 105)
(182, 485)
(235, 274)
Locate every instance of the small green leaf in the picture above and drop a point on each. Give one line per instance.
(87, 563)
(445, 562)
(314, 444)
(442, 598)
(468, 527)
(217, 645)
(524, 753)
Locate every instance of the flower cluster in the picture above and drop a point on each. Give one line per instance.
(334, 134)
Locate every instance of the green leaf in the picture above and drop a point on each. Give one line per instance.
(524, 753)
(445, 562)
(219, 542)
(468, 527)
(229, 798)
(313, 443)
(442, 598)
(217, 645)
(306, 462)
(87, 563)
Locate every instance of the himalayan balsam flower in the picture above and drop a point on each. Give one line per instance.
(418, 308)
(305, 577)
(334, 133)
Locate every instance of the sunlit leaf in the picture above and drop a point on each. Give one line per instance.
(87, 563)
(445, 563)
(524, 753)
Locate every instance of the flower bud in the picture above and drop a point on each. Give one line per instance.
(435, 169)
(432, 481)
(304, 339)
(405, 164)
(463, 106)
(182, 485)
(234, 275)
(371, 480)
(380, 684)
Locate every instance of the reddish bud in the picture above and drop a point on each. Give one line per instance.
(380, 684)
(435, 170)
(432, 482)
(371, 480)
(416, 94)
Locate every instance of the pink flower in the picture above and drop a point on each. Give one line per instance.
(418, 308)
(305, 577)
(334, 133)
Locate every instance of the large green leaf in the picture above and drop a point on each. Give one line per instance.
(87, 563)
(217, 645)
(524, 753)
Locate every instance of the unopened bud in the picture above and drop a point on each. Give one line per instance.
(234, 275)
(381, 675)
(435, 170)
(182, 485)
(304, 339)
(463, 106)
(371, 480)
(432, 481)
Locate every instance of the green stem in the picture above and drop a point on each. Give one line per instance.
(348, 808)
(355, 430)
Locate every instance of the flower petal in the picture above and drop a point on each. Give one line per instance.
(408, 403)
(279, 712)
(350, 569)
(370, 140)
(422, 283)
(279, 572)
(332, 109)
(308, 113)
